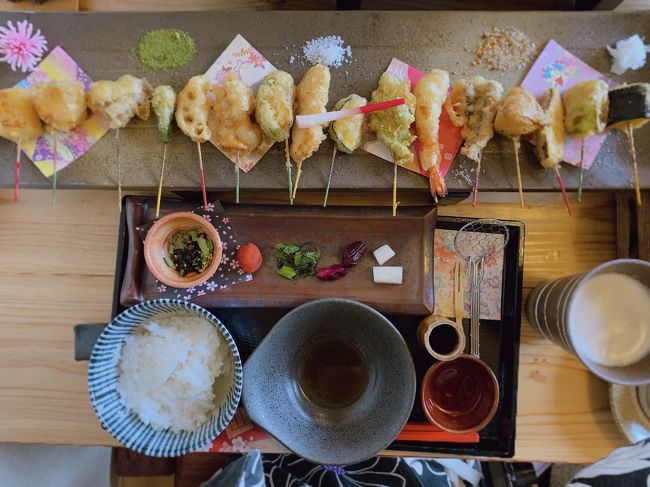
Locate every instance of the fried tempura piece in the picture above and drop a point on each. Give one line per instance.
(120, 100)
(233, 106)
(274, 105)
(392, 125)
(163, 103)
(312, 95)
(193, 109)
(19, 120)
(430, 93)
(61, 105)
(549, 140)
(472, 104)
(586, 104)
(518, 114)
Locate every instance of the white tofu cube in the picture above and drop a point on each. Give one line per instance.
(387, 275)
(383, 254)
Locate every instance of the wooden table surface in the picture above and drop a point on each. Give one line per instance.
(58, 268)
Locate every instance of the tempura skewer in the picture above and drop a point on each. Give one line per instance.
(19, 123)
(192, 110)
(549, 139)
(392, 125)
(518, 114)
(163, 103)
(472, 104)
(430, 94)
(586, 106)
(235, 131)
(629, 109)
(346, 132)
(312, 95)
(119, 101)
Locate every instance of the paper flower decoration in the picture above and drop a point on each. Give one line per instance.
(19, 48)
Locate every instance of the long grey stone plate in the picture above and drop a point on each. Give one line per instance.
(102, 43)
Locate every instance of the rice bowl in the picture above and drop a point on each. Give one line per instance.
(165, 378)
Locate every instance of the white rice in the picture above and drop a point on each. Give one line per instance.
(167, 372)
(627, 54)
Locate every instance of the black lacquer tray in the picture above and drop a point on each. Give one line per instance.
(499, 344)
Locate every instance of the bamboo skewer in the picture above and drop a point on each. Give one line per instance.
(635, 168)
(582, 167)
(288, 165)
(55, 159)
(237, 177)
(564, 195)
(119, 169)
(205, 196)
(295, 185)
(394, 188)
(17, 173)
(516, 144)
(329, 179)
(160, 182)
(477, 175)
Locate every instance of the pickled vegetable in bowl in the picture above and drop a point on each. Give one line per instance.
(189, 252)
(182, 250)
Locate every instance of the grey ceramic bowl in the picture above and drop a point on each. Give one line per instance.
(274, 400)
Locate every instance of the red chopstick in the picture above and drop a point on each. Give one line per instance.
(427, 432)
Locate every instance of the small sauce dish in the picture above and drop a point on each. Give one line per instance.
(156, 248)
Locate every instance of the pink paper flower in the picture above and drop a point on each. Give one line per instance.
(19, 48)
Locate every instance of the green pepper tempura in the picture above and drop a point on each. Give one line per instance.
(189, 252)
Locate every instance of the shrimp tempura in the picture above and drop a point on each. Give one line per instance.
(430, 93)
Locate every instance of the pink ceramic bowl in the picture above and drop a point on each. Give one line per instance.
(460, 396)
(155, 248)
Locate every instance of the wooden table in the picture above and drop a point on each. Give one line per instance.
(58, 268)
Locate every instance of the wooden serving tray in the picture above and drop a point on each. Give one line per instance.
(410, 234)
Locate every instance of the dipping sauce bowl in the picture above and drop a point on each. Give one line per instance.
(460, 396)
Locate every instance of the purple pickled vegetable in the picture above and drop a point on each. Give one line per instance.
(331, 273)
(353, 253)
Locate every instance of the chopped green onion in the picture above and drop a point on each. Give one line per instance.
(169, 262)
(203, 245)
(287, 272)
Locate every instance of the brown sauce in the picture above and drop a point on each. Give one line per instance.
(333, 374)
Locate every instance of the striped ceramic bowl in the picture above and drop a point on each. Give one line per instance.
(127, 428)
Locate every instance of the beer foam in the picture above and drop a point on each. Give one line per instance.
(609, 320)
